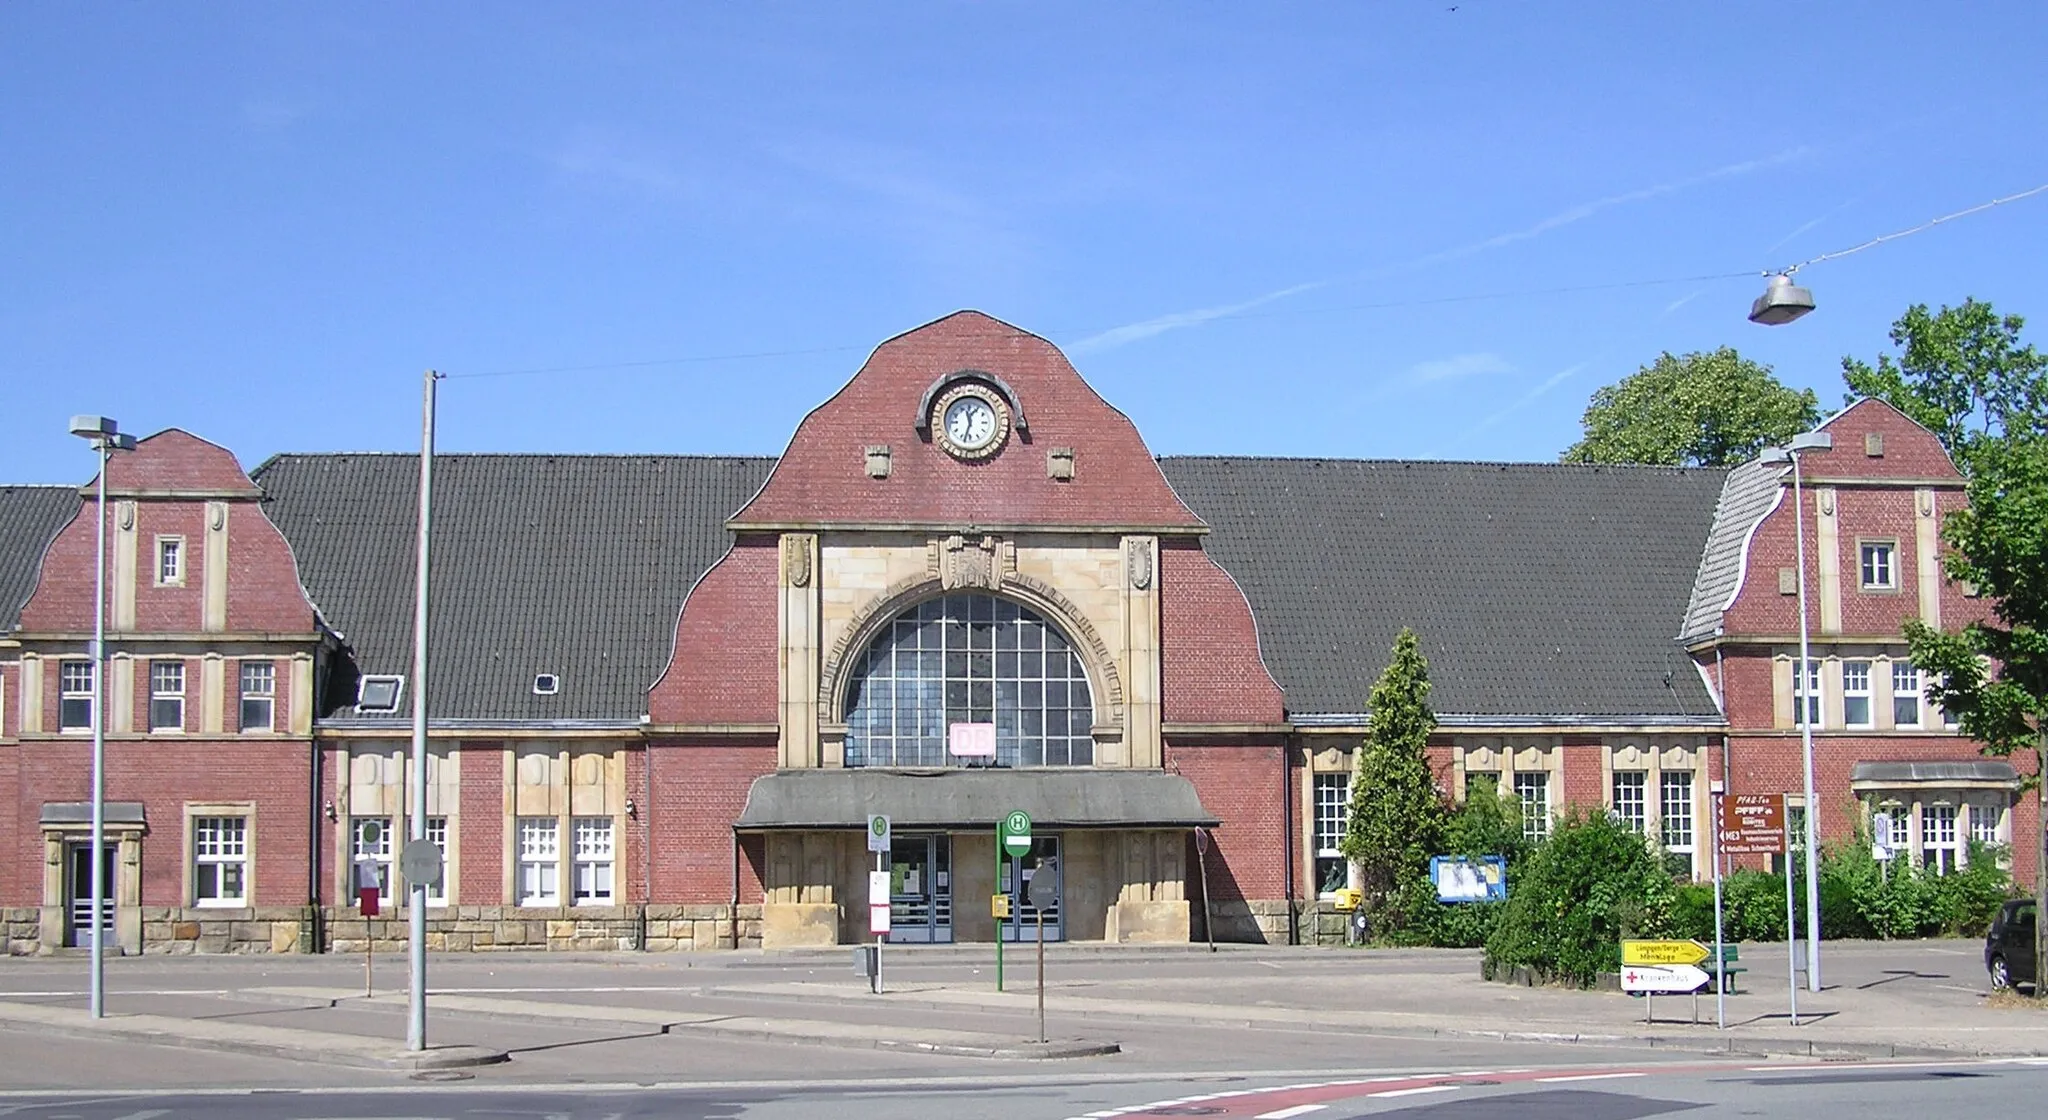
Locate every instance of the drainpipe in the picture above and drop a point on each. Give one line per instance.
(646, 843)
(1287, 837)
(734, 909)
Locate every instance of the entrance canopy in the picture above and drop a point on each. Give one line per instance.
(973, 799)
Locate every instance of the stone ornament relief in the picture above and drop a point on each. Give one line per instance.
(796, 559)
(1140, 563)
(957, 562)
(1826, 499)
(1926, 503)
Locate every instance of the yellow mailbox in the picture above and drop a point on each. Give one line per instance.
(1348, 898)
(999, 906)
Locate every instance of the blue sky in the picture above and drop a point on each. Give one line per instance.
(1331, 229)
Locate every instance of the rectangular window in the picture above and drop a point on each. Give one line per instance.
(167, 696)
(1905, 694)
(1806, 695)
(1675, 802)
(1482, 783)
(1628, 797)
(74, 696)
(1938, 847)
(170, 559)
(1984, 819)
(370, 839)
(259, 695)
(592, 860)
(220, 861)
(437, 831)
(1878, 570)
(1332, 810)
(540, 861)
(1856, 693)
(1532, 789)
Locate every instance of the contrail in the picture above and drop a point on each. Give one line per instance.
(1148, 328)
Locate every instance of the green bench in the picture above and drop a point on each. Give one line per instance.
(1724, 971)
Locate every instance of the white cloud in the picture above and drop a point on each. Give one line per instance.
(1459, 366)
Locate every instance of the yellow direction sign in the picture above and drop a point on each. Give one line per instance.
(1663, 952)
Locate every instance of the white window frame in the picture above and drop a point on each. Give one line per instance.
(170, 561)
(1677, 829)
(437, 831)
(164, 673)
(1877, 565)
(220, 842)
(1856, 687)
(1628, 793)
(1941, 843)
(1807, 709)
(74, 686)
(593, 861)
(1535, 802)
(264, 696)
(1330, 814)
(1987, 822)
(1908, 687)
(378, 853)
(539, 841)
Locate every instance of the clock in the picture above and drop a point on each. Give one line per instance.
(970, 422)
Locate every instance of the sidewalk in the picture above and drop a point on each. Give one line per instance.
(1883, 1000)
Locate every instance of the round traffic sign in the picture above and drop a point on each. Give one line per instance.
(420, 862)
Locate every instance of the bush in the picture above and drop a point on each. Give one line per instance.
(1591, 884)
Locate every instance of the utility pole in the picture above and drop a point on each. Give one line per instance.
(416, 900)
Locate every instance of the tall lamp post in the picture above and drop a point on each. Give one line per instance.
(1805, 441)
(106, 437)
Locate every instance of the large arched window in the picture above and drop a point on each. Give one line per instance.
(969, 659)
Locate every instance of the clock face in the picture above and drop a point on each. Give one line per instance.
(970, 422)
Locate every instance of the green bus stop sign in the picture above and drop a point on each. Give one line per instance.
(1016, 832)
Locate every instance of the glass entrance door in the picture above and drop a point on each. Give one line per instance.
(1043, 859)
(921, 889)
(78, 881)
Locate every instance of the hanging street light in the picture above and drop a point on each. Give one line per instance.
(1782, 302)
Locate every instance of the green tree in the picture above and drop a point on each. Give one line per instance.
(1396, 817)
(1961, 373)
(1993, 675)
(1702, 409)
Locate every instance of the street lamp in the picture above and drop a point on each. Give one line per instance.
(106, 437)
(1782, 302)
(1805, 441)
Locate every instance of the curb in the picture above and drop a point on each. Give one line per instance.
(298, 1045)
(1767, 1046)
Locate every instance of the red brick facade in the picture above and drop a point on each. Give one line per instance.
(712, 724)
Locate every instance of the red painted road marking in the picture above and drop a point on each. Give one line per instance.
(1283, 1102)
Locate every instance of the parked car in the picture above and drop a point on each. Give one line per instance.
(2009, 947)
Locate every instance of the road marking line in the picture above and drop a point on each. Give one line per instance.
(1588, 1077)
(1414, 1092)
(1288, 1113)
(145, 1114)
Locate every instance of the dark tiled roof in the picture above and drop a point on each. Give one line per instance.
(1537, 589)
(567, 564)
(29, 519)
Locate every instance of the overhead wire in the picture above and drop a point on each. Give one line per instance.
(1922, 227)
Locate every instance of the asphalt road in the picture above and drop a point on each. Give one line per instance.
(1525, 1093)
